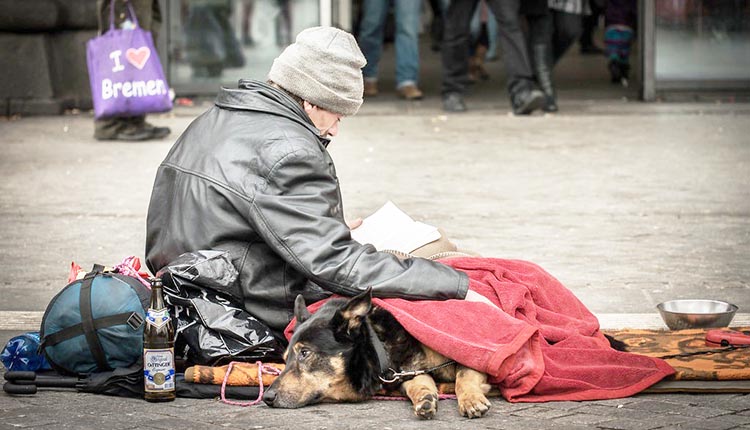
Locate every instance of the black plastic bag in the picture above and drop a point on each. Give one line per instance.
(212, 328)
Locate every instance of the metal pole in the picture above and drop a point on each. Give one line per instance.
(344, 15)
(647, 40)
(326, 13)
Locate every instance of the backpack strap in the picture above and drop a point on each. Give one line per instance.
(87, 320)
(133, 319)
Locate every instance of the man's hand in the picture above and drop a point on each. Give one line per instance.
(354, 223)
(473, 296)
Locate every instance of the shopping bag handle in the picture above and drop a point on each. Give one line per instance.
(112, 14)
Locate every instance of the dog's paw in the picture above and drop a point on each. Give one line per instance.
(473, 405)
(426, 407)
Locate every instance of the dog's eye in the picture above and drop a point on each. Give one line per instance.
(304, 353)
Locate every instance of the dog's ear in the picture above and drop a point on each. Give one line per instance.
(350, 317)
(300, 309)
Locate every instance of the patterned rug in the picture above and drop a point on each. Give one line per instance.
(701, 368)
(713, 363)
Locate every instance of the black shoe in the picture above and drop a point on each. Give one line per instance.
(542, 62)
(138, 133)
(454, 102)
(614, 72)
(526, 101)
(130, 134)
(157, 132)
(550, 105)
(619, 72)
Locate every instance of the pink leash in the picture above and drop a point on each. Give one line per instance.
(261, 368)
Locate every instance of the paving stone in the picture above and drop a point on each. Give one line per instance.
(541, 412)
(614, 411)
(524, 423)
(565, 406)
(723, 422)
(581, 419)
(502, 406)
(29, 417)
(658, 406)
(718, 423)
(613, 402)
(642, 423)
(739, 402)
(703, 412)
(12, 402)
(689, 406)
(182, 424)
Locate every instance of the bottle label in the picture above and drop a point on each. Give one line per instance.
(157, 318)
(158, 369)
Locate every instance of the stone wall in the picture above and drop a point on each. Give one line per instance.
(43, 55)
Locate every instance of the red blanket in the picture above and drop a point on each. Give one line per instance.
(540, 343)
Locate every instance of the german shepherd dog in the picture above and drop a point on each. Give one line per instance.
(349, 349)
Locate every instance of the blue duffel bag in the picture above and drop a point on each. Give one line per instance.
(95, 324)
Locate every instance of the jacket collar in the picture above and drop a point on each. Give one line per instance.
(252, 95)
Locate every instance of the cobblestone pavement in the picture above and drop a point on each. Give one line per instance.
(628, 204)
(56, 409)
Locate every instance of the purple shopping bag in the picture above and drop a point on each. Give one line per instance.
(125, 73)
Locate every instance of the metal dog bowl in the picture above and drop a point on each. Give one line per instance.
(683, 314)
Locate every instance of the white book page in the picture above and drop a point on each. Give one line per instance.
(390, 228)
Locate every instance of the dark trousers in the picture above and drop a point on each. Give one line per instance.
(621, 12)
(148, 14)
(455, 49)
(590, 22)
(558, 29)
(567, 29)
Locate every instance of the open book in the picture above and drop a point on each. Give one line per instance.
(390, 228)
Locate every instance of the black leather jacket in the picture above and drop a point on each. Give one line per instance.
(253, 177)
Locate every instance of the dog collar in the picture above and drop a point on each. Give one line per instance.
(383, 360)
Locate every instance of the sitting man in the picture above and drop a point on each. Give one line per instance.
(252, 176)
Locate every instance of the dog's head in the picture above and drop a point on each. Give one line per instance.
(331, 356)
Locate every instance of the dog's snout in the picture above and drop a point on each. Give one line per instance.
(269, 397)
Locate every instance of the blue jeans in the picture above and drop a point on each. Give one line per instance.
(407, 13)
(476, 26)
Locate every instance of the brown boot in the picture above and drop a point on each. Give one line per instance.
(371, 88)
(410, 92)
(478, 60)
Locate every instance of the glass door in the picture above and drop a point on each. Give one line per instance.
(694, 45)
(214, 43)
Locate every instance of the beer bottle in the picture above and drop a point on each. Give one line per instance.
(158, 348)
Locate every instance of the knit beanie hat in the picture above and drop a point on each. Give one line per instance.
(323, 66)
